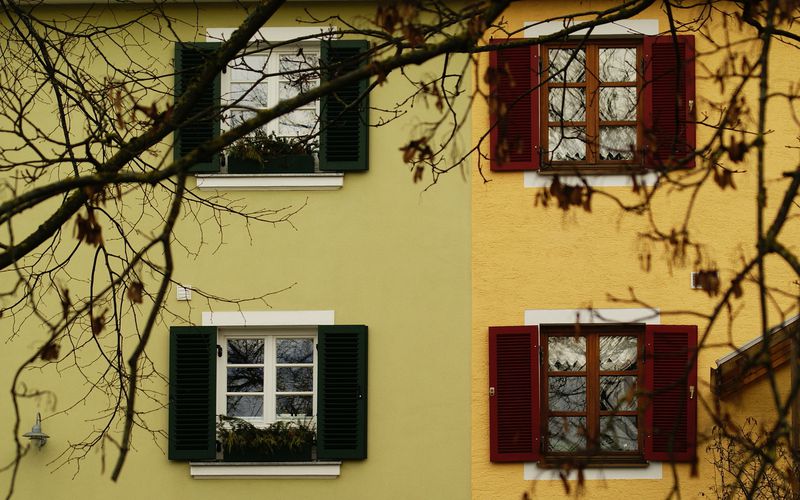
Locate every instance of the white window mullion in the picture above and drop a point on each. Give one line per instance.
(269, 380)
(273, 66)
(314, 382)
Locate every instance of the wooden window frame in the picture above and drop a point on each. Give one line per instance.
(593, 454)
(270, 366)
(591, 84)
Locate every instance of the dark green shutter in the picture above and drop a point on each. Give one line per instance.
(204, 119)
(342, 397)
(344, 118)
(192, 383)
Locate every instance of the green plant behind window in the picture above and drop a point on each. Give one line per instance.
(237, 434)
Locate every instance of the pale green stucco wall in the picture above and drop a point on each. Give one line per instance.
(379, 252)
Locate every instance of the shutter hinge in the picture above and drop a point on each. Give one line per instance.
(219, 351)
(691, 392)
(491, 391)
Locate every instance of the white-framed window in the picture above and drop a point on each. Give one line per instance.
(259, 79)
(267, 374)
(309, 148)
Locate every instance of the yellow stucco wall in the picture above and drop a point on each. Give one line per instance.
(530, 257)
(379, 252)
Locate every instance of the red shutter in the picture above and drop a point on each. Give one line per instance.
(514, 393)
(514, 137)
(671, 382)
(669, 100)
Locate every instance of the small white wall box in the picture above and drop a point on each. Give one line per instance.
(699, 278)
(184, 292)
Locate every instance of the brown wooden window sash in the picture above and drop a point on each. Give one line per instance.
(592, 122)
(592, 373)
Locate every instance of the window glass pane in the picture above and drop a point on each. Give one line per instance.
(567, 65)
(619, 434)
(294, 406)
(245, 351)
(245, 406)
(298, 122)
(298, 61)
(248, 96)
(618, 65)
(248, 69)
(295, 380)
(617, 143)
(292, 89)
(245, 379)
(237, 117)
(617, 393)
(618, 103)
(566, 354)
(295, 351)
(567, 106)
(618, 353)
(567, 143)
(566, 393)
(566, 434)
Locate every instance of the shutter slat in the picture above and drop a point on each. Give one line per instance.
(514, 137)
(669, 92)
(671, 410)
(192, 383)
(514, 393)
(342, 397)
(204, 125)
(344, 133)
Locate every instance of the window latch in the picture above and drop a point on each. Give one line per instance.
(491, 391)
(691, 392)
(219, 351)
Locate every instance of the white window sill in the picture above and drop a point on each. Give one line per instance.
(267, 470)
(266, 182)
(532, 472)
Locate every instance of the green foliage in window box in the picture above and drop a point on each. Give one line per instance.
(260, 152)
(279, 442)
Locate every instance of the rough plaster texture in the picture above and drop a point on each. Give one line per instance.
(378, 252)
(525, 256)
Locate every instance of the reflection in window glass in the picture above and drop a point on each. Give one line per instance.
(618, 353)
(566, 353)
(566, 434)
(294, 406)
(567, 143)
(617, 143)
(567, 393)
(618, 64)
(245, 379)
(245, 351)
(619, 433)
(567, 65)
(618, 393)
(245, 406)
(295, 379)
(295, 351)
(618, 103)
(567, 105)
